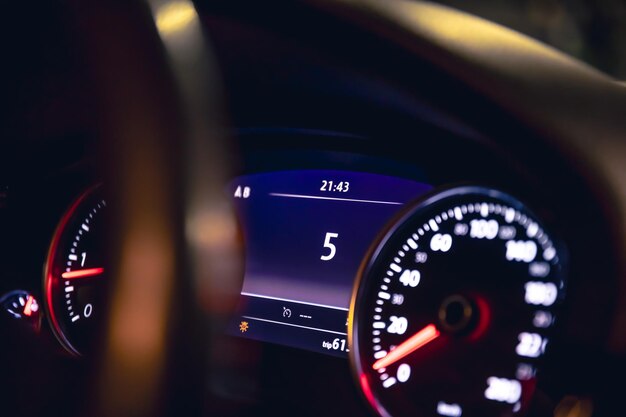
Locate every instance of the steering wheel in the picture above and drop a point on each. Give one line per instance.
(173, 232)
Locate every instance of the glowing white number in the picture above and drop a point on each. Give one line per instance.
(539, 269)
(88, 310)
(542, 319)
(460, 229)
(441, 242)
(397, 299)
(541, 293)
(484, 229)
(525, 372)
(521, 251)
(421, 257)
(404, 372)
(449, 410)
(330, 246)
(242, 192)
(410, 278)
(503, 390)
(83, 256)
(398, 325)
(507, 232)
(531, 345)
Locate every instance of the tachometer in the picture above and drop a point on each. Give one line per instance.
(74, 275)
(453, 308)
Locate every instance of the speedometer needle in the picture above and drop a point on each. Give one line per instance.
(419, 339)
(82, 273)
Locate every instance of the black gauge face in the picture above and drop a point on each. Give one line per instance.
(75, 276)
(453, 309)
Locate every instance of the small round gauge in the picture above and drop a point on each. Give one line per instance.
(452, 309)
(22, 305)
(74, 279)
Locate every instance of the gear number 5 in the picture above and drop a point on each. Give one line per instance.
(332, 249)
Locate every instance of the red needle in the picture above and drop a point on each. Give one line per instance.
(419, 339)
(28, 311)
(82, 273)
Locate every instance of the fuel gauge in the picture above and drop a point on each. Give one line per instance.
(22, 305)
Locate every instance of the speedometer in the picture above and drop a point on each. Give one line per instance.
(452, 309)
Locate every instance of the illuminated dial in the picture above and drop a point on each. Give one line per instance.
(453, 308)
(75, 276)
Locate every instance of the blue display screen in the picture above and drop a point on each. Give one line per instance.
(306, 233)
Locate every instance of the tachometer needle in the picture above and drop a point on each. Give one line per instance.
(82, 273)
(419, 339)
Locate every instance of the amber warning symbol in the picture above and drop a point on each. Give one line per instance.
(243, 326)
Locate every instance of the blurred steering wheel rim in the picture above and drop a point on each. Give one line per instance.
(158, 104)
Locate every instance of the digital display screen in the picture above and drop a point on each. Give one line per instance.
(306, 233)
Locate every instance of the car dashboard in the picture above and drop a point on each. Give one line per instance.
(321, 131)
